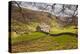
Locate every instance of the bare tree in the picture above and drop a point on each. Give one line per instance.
(69, 10)
(75, 18)
(18, 3)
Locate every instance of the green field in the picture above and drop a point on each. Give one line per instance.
(38, 41)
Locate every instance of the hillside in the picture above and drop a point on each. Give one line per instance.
(32, 19)
(25, 37)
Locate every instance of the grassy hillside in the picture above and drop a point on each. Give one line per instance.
(25, 38)
(30, 20)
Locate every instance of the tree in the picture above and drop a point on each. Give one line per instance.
(68, 12)
(20, 9)
(59, 10)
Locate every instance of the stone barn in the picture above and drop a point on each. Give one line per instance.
(43, 27)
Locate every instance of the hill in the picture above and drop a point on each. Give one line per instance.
(25, 37)
(32, 19)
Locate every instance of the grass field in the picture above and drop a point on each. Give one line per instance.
(38, 41)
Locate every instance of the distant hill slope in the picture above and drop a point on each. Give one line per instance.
(30, 15)
(32, 19)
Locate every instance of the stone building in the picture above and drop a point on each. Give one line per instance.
(43, 27)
